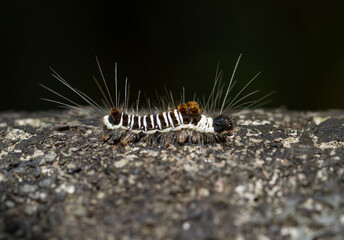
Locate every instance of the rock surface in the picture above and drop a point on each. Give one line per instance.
(281, 176)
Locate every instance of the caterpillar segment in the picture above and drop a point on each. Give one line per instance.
(185, 124)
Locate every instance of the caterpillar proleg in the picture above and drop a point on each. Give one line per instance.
(170, 122)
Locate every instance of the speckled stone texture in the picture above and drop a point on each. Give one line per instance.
(280, 177)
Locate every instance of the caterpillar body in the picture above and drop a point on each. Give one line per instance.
(185, 123)
(182, 125)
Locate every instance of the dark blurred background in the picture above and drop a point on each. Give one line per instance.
(298, 46)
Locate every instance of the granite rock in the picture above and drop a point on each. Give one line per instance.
(281, 176)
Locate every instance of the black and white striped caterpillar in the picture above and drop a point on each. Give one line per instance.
(182, 125)
(185, 123)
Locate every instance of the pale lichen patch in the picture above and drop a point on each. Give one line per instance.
(37, 153)
(17, 135)
(33, 122)
(288, 141)
(319, 119)
(330, 145)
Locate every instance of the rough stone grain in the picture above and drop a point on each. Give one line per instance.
(280, 177)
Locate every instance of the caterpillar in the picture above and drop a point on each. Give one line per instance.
(182, 123)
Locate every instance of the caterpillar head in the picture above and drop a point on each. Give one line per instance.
(223, 123)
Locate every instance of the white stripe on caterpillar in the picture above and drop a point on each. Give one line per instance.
(205, 124)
